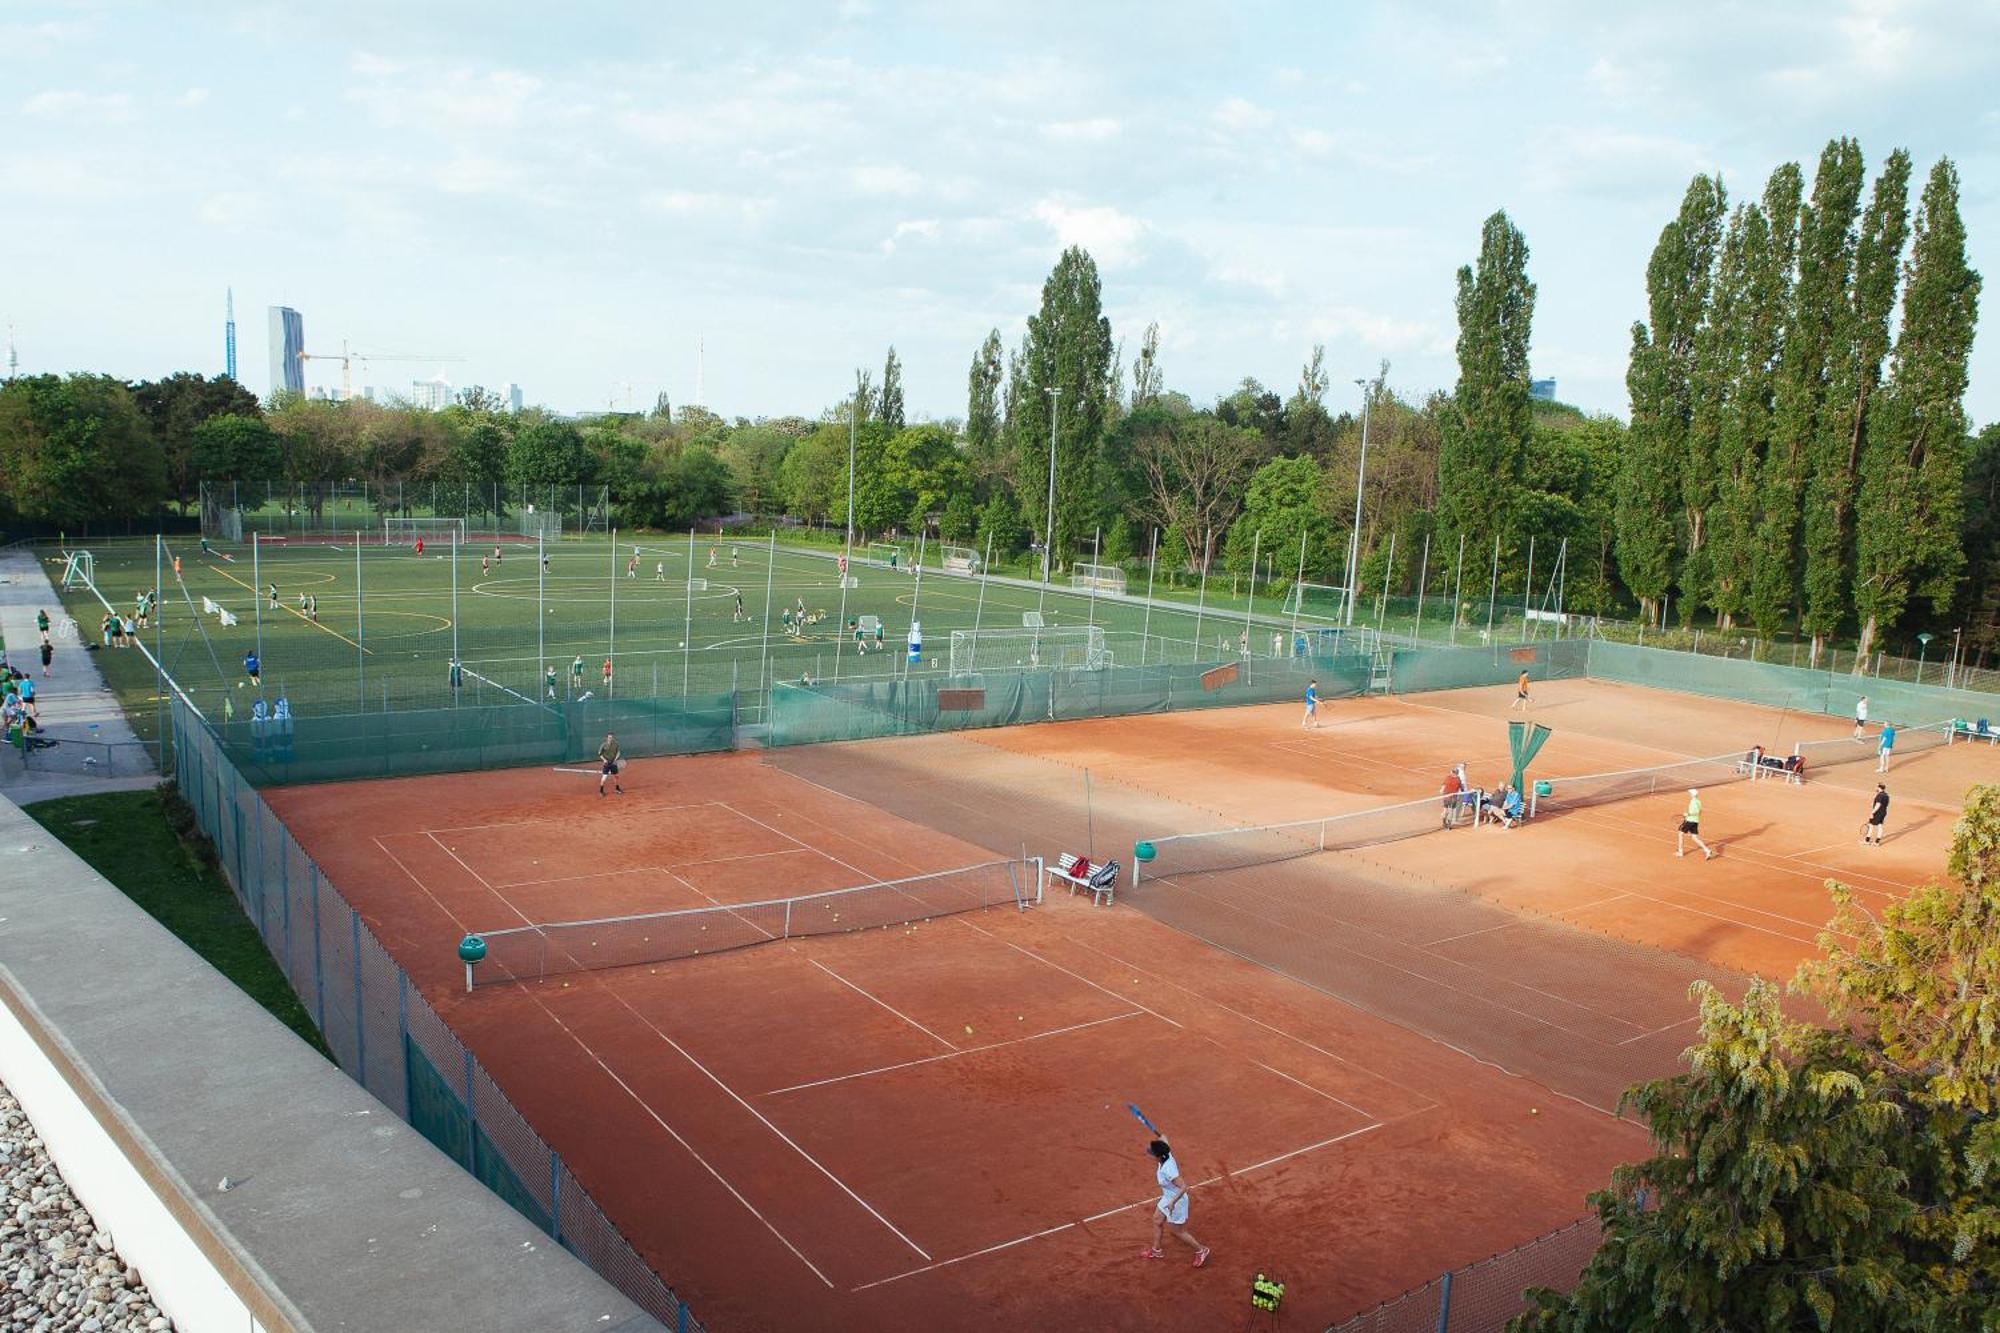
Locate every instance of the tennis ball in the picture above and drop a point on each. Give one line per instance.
(968, 1029)
(1534, 1110)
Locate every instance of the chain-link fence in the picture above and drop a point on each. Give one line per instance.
(382, 1031)
(1482, 1297)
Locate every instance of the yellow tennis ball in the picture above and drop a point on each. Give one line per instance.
(968, 1028)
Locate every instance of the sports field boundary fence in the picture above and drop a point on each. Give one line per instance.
(382, 1032)
(1481, 1297)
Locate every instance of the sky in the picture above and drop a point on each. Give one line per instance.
(602, 202)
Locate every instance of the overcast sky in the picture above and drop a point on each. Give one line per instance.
(572, 196)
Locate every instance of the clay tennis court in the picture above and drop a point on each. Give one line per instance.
(925, 1126)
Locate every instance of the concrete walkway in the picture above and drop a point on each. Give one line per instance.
(96, 749)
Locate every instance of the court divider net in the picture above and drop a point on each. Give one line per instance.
(559, 948)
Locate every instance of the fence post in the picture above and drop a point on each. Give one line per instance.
(472, 1118)
(319, 971)
(360, 1032)
(1444, 1305)
(555, 1196)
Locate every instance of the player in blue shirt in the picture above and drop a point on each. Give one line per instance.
(1311, 718)
(253, 668)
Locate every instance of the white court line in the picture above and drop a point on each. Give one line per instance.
(544, 819)
(1122, 999)
(764, 1120)
(953, 1054)
(872, 879)
(668, 868)
(1113, 1212)
(425, 889)
(1691, 1018)
(884, 1003)
(661, 1121)
(1318, 1092)
(1271, 1027)
(1509, 925)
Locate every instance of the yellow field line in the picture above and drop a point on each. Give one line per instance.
(290, 612)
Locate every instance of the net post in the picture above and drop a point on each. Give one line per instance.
(1444, 1303)
(788, 920)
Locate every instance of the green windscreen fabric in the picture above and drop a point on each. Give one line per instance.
(275, 751)
(1778, 686)
(860, 710)
(1413, 670)
(1524, 742)
(438, 1112)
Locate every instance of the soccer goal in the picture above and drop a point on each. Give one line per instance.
(888, 555)
(1320, 600)
(405, 531)
(961, 560)
(540, 522)
(1104, 578)
(698, 585)
(79, 570)
(1071, 647)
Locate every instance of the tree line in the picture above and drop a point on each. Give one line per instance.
(1798, 458)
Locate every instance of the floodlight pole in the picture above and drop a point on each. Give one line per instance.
(847, 557)
(1049, 517)
(1354, 537)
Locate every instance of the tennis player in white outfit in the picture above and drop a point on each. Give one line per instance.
(1173, 1206)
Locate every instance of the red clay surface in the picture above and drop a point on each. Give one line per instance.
(924, 1127)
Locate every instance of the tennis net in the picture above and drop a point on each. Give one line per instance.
(1239, 848)
(559, 948)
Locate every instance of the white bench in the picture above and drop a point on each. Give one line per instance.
(1099, 883)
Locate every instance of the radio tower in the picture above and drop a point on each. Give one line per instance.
(13, 356)
(229, 333)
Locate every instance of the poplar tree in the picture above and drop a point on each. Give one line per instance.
(1068, 347)
(1714, 437)
(1486, 426)
(1773, 566)
(1854, 371)
(1754, 290)
(982, 407)
(1147, 378)
(1914, 457)
(1815, 337)
(890, 404)
(1659, 378)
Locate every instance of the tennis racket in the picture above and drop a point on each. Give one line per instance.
(1133, 1107)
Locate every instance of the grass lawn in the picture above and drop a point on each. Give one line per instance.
(128, 837)
(507, 620)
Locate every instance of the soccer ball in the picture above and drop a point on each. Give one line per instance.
(684, 643)
(241, 683)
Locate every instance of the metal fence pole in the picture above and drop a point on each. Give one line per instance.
(360, 635)
(612, 650)
(1256, 544)
(1444, 1304)
(1493, 587)
(360, 1029)
(687, 620)
(1423, 577)
(764, 653)
(1146, 623)
(1457, 588)
(257, 597)
(1201, 598)
(979, 607)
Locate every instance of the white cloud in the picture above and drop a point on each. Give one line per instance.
(706, 204)
(1290, 76)
(231, 210)
(474, 173)
(886, 178)
(1111, 237)
(1237, 113)
(927, 228)
(1313, 143)
(193, 97)
(72, 105)
(1093, 129)
(450, 99)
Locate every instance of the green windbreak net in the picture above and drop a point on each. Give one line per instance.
(1413, 670)
(438, 1112)
(1777, 686)
(859, 710)
(275, 751)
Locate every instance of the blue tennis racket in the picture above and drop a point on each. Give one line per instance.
(1133, 1107)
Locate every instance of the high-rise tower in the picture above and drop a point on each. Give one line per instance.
(288, 341)
(229, 333)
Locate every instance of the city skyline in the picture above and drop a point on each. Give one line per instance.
(583, 203)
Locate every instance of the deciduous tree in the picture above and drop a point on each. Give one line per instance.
(1486, 427)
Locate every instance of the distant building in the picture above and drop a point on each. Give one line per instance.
(513, 397)
(288, 341)
(431, 394)
(1542, 389)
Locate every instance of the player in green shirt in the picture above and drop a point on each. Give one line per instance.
(608, 756)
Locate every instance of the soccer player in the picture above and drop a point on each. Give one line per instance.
(1878, 814)
(302, 604)
(1172, 1210)
(312, 607)
(48, 658)
(1520, 693)
(711, 557)
(632, 565)
(28, 697)
(545, 562)
(271, 591)
(735, 560)
(607, 675)
(1690, 827)
(485, 565)
(660, 571)
(420, 546)
(457, 675)
(496, 555)
(1887, 745)
(739, 605)
(895, 554)
(42, 624)
(607, 754)
(1860, 716)
(253, 668)
(576, 674)
(1311, 719)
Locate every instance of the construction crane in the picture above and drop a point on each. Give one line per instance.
(348, 358)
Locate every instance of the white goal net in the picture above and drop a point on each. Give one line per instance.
(405, 531)
(961, 560)
(1319, 600)
(540, 522)
(888, 555)
(1071, 647)
(1104, 578)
